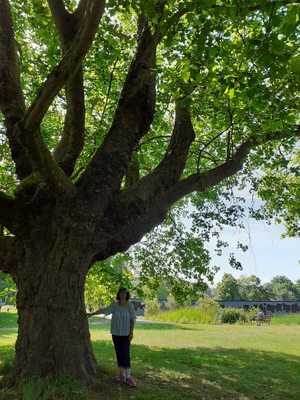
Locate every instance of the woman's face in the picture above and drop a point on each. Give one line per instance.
(123, 294)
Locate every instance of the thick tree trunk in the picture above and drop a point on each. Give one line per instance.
(53, 328)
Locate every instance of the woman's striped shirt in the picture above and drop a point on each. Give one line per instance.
(121, 317)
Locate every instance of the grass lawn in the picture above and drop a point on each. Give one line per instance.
(188, 362)
(8, 319)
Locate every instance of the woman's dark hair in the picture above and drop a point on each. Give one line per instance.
(123, 289)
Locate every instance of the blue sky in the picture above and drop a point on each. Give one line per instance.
(268, 255)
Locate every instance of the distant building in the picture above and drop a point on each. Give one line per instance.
(267, 307)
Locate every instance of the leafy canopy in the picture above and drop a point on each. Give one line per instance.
(233, 67)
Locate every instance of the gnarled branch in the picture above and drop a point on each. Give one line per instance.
(68, 65)
(72, 140)
(12, 102)
(132, 120)
(28, 129)
(143, 223)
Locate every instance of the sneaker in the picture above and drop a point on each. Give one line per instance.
(130, 381)
(120, 377)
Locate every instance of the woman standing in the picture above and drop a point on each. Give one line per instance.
(122, 325)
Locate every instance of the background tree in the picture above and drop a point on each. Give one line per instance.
(169, 102)
(297, 288)
(282, 288)
(251, 288)
(227, 289)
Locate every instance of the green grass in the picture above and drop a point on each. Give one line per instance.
(286, 319)
(8, 320)
(242, 362)
(190, 315)
(215, 362)
(196, 315)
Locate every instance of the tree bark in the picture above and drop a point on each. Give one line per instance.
(53, 332)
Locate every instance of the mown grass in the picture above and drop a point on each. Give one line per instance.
(8, 319)
(169, 361)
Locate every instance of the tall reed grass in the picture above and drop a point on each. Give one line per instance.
(286, 319)
(197, 315)
(189, 315)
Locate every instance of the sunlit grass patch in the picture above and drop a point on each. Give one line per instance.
(7, 337)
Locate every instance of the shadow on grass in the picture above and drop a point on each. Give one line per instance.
(201, 373)
(147, 326)
(7, 359)
(8, 320)
(213, 373)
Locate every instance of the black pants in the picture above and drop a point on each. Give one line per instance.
(122, 348)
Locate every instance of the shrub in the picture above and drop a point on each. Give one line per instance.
(232, 315)
(171, 304)
(152, 307)
(206, 303)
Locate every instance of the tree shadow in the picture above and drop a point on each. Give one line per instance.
(205, 373)
(146, 326)
(8, 320)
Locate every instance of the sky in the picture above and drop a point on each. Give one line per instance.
(268, 255)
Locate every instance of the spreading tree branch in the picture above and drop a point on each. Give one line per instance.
(44, 167)
(80, 10)
(149, 189)
(132, 120)
(68, 66)
(12, 102)
(72, 139)
(199, 182)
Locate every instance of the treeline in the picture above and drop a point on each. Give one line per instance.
(250, 288)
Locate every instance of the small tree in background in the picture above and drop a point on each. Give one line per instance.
(206, 303)
(152, 307)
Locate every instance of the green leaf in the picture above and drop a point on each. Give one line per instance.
(295, 65)
(292, 15)
(185, 75)
(200, 76)
(231, 93)
(112, 41)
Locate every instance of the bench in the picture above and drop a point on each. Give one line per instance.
(260, 318)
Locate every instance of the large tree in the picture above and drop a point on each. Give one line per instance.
(146, 118)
